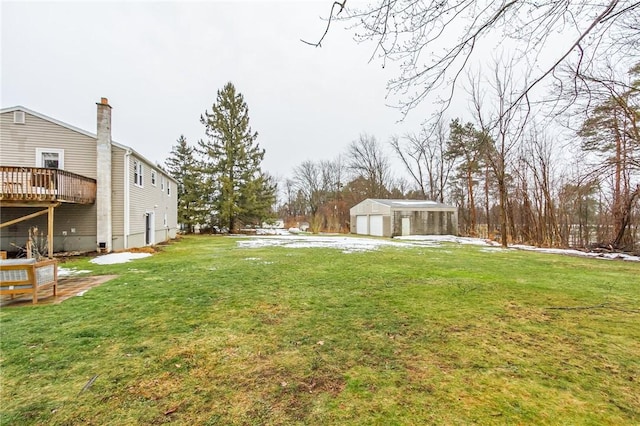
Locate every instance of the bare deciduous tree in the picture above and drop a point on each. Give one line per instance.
(434, 42)
(366, 160)
(424, 157)
(501, 125)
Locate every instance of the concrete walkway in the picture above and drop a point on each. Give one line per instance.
(67, 287)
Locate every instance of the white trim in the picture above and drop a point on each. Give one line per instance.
(40, 151)
(127, 207)
(138, 173)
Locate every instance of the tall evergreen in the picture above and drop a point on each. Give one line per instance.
(239, 191)
(183, 166)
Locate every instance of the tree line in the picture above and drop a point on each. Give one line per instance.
(508, 173)
(505, 169)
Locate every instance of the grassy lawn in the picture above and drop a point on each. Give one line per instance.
(205, 332)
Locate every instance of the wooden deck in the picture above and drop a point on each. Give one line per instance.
(35, 184)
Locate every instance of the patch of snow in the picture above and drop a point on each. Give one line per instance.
(571, 252)
(113, 258)
(346, 244)
(271, 231)
(80, 294)
(69, 272)
(294, 230)
(354, 244)
(436, 239)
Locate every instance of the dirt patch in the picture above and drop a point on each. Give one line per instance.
(145, 249)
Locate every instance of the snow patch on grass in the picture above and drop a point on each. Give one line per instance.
(359, 244)
(345, 244)
(607, 256)
(70, 272)
(113, 258)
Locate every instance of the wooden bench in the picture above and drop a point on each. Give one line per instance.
(19, 276)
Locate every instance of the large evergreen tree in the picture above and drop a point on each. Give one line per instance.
(467, 146)
(183, 166)
(238, 189)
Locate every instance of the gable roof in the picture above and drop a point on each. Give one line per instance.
(412, 204)
(47, 118)
(83, 132)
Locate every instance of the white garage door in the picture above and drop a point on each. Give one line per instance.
(362, 225)
(375, 225)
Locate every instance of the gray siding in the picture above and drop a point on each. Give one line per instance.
(151, 199)
(438, 222)
(117, 198)
(76, 220)
(18, 144)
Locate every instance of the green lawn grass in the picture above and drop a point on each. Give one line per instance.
(205, 332)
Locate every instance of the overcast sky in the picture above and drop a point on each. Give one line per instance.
(160, 64)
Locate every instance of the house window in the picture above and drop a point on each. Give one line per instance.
(168, 188)
(50, 158)
(165, 221)
(162, 183)
(153, 177)
(137, 172)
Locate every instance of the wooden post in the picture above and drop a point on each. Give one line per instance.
(50, 231)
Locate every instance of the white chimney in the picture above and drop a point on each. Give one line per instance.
(103, 177)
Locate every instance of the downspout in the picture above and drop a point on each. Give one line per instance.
(127, 175)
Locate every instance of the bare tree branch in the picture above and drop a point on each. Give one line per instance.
(335, 3)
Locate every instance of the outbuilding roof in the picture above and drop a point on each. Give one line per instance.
(412, 204)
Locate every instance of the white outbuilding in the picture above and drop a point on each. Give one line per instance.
(390, 218)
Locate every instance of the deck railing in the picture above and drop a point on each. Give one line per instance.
(40, 184)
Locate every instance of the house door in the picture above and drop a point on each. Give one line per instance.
(406, 226)
(148, 228)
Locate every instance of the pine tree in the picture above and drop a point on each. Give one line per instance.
(238, 189)
(611, 133)
(182, 165)
(467, 146)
